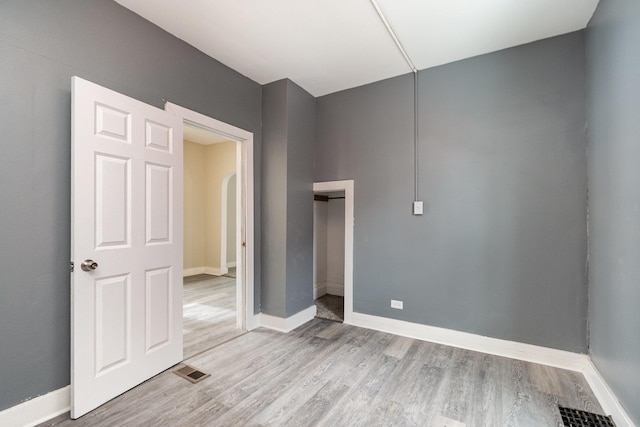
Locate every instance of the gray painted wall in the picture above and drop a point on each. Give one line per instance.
(43, 44)
(300, 153)
(613, 88)
(501, 248)
(287, 202)
(274, 201)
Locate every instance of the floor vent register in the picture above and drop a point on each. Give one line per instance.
(576, 418)
(190, 373)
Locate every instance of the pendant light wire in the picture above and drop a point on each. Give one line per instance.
(414, 70)
(393, 35)
(415, 135)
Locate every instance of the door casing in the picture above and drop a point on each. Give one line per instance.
(347, 187)
(245, 249)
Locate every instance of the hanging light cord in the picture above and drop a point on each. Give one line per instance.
(394, 36)
(404, 53)
(415, 135)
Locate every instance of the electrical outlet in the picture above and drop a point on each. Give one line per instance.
(397, 304)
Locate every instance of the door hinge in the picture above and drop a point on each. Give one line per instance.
(71, 265)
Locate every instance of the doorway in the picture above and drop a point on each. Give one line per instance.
(243, 256)
(210, 232)
(333, 249)
(328, 249)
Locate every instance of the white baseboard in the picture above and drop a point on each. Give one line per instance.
(605, 396)
(57, 402)
(231, 264)
(192, 271)
(527, 352)
(515, 350)
(290, 323)
(319, 290)
(216, 271)
(325, 288)
(37, 410)
(335, 289)
(253, 321)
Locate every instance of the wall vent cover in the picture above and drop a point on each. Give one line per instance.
(576, 418)
(190, 373)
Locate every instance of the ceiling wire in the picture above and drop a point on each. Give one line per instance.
(415, 135)
(394, 36)
(407, 58)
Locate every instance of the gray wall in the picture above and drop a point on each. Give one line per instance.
(43, 44)
(300, 154)
(501, 248)
(287, 202)
(274, 201)
(613, 88)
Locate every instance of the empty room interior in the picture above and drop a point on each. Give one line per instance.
(320, 213)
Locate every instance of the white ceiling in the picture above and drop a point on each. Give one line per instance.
(329, 45)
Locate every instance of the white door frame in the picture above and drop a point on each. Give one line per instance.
(245, 233)
(347, 187)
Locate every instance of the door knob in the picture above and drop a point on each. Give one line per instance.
(88, 265)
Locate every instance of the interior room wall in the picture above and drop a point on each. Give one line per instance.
(288, 133)
(301, 130)
(319, 248)
(613, 89)
(335, 245)
(220, 160)
(42, 45)
(231, 221)
(501, 249)
(194, 196)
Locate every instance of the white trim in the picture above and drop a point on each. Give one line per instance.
(320, 289)
(290, 323)
(231, 265)
(335, 289)
(526, 352)
(57, 402)
(605, 396)
(245, 254)
(37, 410)
(192, 271)
(245, 233)
(515, 350)
(348, 187)
(216, 271)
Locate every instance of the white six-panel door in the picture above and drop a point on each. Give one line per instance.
(127, 218)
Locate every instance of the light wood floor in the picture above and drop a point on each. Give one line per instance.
(331, 374)
(209, 312)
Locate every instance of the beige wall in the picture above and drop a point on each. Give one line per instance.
(194, 207)
(220, 162)
(231, 219)
(205, 167)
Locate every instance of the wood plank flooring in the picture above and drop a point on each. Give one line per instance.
(330, 374)
(209, 312)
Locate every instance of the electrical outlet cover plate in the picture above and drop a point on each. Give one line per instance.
(397, 304)
(418, 208)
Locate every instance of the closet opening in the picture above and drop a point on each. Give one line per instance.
(329, 254)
